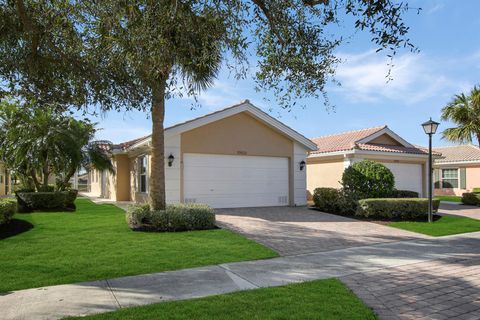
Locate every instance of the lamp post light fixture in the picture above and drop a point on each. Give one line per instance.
(430, 127)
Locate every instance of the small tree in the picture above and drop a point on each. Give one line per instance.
(368, 179)
(39, 142)
(464, 111)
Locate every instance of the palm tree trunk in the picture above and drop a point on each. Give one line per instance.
(157, 175)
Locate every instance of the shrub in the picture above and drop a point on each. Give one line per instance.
(394, 208)
(368, 179)
(327, 199)
(476, 190)
(471, 198)
(59, 200)
(333, 200)
(8, 207)
(404, 194)
(177, 217)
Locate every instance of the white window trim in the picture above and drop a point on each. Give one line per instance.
(140, 174)
(458, 177)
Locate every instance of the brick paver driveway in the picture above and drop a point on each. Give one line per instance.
(437, 290)
(460, 210)
(294, 230)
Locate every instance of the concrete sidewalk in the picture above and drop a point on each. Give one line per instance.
(101, 296)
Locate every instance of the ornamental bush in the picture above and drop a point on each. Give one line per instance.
(8, 207)
(394, 208)
(46, 201)
(476, 190)
(368, 179)
(471, 198)
(404, 194)
(176, 217)
(333, 200)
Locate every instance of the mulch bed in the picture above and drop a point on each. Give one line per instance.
(14, 227)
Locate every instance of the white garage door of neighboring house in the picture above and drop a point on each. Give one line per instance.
(408, 176)
(223, 181)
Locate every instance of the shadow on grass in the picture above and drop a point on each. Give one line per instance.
(14, 228)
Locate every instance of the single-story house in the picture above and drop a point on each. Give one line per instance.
(336, 152)
(5, 184)
(458, 170)
(236, 157)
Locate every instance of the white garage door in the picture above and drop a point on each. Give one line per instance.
(223, 181)
(407, 176)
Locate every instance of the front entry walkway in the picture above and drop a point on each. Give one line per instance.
(435, 278)
(294, 230)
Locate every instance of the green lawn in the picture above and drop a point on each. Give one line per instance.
(96, 243)
(444, 226)
(323, 299)
(449, 198)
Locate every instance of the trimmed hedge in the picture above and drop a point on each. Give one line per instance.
(176, 217)
(471, 198)
(405, 194)
(395, 208)
(333, 200)
(48, 201)
(8, 207)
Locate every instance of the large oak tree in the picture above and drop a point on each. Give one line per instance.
(138, 54)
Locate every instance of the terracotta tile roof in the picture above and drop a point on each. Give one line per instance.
(460, 153)
(344, 140)
(347, 141)
(126, 144)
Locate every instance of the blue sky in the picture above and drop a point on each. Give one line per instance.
(447, 33)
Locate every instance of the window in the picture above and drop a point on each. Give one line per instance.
(142, 174)
(449, 178)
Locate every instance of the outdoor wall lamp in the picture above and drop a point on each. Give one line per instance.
(302, 165)
(170, 159)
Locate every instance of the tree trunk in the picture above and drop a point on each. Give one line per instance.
(478, 139)
(45, 176)
(35, 180)
(157, 175)
(66, 179)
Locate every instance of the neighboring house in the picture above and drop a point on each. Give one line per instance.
(5, 184)
(458, 170)
(235, 157)
(336, 152)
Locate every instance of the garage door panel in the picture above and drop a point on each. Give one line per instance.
(408, 176)
(235, 181)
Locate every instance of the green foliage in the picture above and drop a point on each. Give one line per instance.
(176, 217)
(8, 207)
(470, 198)
(333, 200)
(38, 142)
(404, 194)
(368, 179)
(394, 208)
(49, 201)
(463, 110)
(476, 190)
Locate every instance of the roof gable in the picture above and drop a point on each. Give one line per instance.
(245, 106)
(376, 139)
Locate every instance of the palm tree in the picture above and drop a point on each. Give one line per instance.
(464, 111)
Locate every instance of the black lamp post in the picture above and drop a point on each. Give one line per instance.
(430, 127)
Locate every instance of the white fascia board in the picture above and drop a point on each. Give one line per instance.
(389, 132)
(392, 154)
(329, 154)
(449, 163)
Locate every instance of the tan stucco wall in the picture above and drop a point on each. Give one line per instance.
(385, 139)
(324, 174)
(240, 134)
(122, 177)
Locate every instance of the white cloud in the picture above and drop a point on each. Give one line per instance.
(415, 78)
